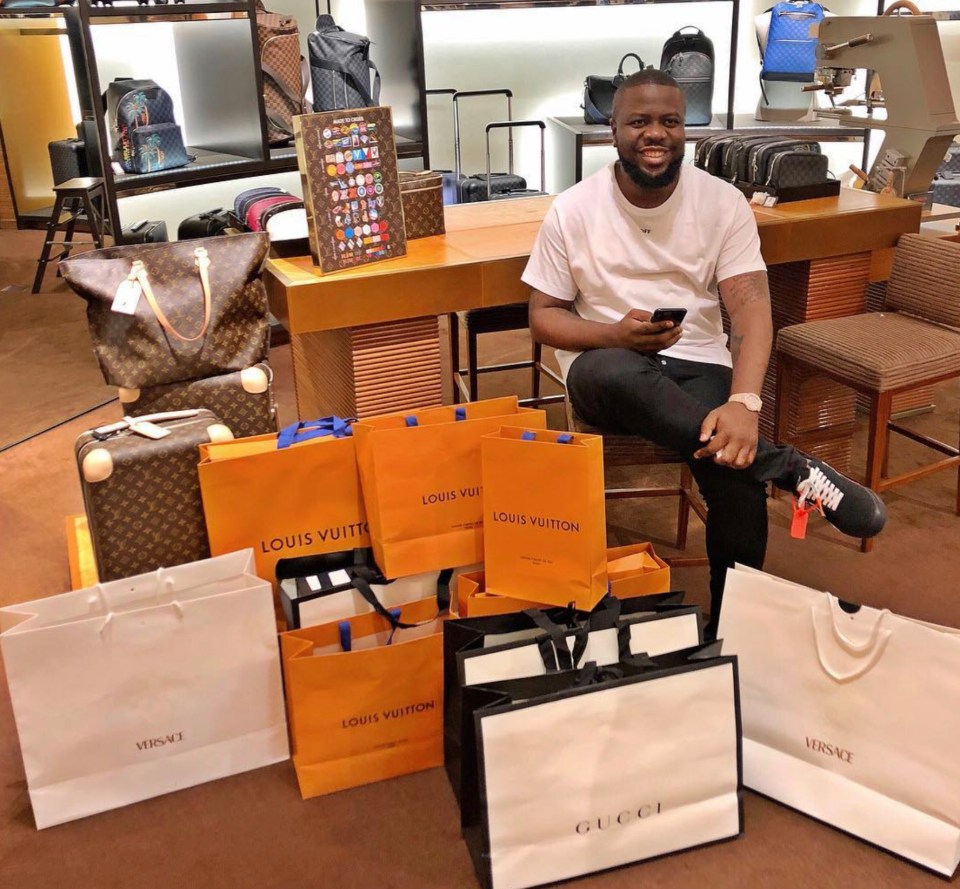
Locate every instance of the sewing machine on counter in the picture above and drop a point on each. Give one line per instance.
(919, 119)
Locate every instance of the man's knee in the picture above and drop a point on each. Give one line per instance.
(606, 372)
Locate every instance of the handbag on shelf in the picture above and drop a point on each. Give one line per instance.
(598, 92)
(689, 59)
(284, 80)
(164, 313)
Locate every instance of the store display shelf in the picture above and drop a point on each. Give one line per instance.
(199, 10)
(209, 166)
(459, 5)
(744, 124)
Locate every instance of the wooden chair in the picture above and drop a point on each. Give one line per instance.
(466, 382)
(77, 199)
(632, 450)
(913, 343)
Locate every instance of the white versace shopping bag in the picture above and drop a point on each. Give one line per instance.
(576, 778)
(851, 715)
(142, 686)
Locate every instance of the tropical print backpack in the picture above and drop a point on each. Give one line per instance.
(146, 137)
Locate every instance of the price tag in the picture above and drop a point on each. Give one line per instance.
(148, 430)
(127, 297)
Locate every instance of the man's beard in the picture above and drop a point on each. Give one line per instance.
(644, 180)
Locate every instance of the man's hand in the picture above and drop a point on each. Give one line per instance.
(731, 433)
(636, 331)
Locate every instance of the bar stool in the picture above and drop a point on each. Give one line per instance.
(76, 198)
(633, 450)
(494, 319)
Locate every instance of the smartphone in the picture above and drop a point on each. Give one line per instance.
(674, 315)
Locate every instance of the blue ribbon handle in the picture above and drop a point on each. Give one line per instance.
(308, 429)
(346, 641)
(563, 438)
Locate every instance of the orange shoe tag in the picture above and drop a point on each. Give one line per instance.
(798, 524)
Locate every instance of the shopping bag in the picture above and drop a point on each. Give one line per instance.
(534, 642)
(632, 570)
(364, 697)
(420, 474)
(545, 529)
(333, 586)
(850, 714)
(583, 770)
(292, 494)
(146, 685)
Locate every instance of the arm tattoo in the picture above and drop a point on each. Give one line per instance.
(736, 340)
(743, 290)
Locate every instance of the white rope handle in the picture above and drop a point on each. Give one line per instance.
(139, 274)
(164, 586)
(866, 653)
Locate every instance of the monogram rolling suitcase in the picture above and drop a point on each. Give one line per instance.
(243, 400)
(141, 490)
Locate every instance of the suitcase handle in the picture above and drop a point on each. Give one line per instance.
(462, 94)
(509, 125)
(440, 92)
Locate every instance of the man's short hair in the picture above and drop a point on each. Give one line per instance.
(648, 75)
(651, 76)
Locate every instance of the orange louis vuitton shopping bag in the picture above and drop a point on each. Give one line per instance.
(365, 700)
(545, 531)
(420, 474)
(633, 570)
(292, 494)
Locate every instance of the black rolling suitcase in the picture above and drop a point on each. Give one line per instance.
(516, 192)
(480, 186)
(204, 225)
(145, 232)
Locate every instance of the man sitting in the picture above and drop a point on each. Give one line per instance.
(648, 232)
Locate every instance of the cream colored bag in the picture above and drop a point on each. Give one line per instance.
(139, 687)
(852, 718)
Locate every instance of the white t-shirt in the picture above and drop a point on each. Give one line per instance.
(607, 256)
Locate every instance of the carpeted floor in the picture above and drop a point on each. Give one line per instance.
(254, 832)
(47, 368)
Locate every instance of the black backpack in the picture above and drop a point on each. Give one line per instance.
(688, 58)
(340, 68)
(146, 138)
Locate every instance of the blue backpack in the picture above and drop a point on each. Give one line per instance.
(791, 51)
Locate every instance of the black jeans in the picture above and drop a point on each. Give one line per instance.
(666, 400)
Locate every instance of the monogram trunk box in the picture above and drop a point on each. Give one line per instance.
(422, 197)
(243, 400)
(141, 490)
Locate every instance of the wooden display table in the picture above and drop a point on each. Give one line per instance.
(365, 340)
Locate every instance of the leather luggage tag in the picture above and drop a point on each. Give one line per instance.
(147, 429)
(127, 297)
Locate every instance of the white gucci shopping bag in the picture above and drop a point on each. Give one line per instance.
(481, 650)
(851, 715)
(142, 686)
(578, 776)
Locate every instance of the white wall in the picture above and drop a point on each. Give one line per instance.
(543, 55)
